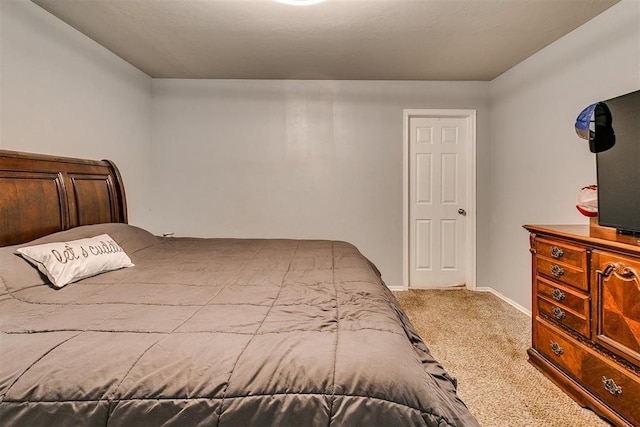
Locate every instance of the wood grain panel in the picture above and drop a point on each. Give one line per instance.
(618, 311)
(93, 199)
(31, 205)
(42, 194)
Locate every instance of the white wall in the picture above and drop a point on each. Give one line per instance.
(298, 159)
(538, 164)
(229, 158)
(314, 159)
(61, 93)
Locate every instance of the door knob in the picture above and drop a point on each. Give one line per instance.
(462, 212)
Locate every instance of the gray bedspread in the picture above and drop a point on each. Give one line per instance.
(216, 332)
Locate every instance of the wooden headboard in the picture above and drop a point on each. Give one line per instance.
(42, 194)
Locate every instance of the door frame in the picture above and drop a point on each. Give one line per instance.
(470, 203)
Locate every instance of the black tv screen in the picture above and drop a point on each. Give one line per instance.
(619, 167)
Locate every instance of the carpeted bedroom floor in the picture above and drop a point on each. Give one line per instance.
(482, 341)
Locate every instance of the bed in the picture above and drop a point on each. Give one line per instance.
(217, 332)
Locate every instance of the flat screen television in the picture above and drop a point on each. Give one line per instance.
(618, 167)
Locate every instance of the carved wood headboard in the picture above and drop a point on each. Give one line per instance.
(42, 194)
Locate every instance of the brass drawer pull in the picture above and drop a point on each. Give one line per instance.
(555, 347)
(558, 295)
(556, 252)
(556, 270)
(558, 313)
(611, 386)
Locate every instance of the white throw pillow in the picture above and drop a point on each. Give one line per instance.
(67, 262)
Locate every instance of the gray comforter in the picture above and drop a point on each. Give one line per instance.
(217, 332)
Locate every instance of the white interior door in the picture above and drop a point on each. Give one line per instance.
(438, 199)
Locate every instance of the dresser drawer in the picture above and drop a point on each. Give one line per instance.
(563, 273)
(563, 252)
(614, 385)
(558, 348)
(564, 296)
(577, 322)
(599, 375)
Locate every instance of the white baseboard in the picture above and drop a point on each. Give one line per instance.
(444, 288)
(505, 299)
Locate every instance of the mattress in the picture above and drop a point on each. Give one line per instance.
(219, 332)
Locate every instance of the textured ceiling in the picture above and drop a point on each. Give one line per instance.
(336, 39)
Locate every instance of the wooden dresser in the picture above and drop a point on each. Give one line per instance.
(586, 316)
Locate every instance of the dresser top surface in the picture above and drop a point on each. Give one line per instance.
(589, 235)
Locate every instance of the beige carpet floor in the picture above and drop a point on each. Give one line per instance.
(482, 342)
